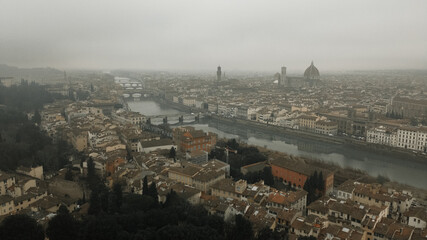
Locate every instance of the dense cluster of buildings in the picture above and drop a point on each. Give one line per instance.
(26, 191)
(353, 210)
(124, 153)
(413, 138)
(346, 106)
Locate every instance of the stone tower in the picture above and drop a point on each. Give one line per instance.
(283, 80)
(218, 74)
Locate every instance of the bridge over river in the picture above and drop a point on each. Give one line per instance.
(175, 119)
(133, 88)
(402, 170)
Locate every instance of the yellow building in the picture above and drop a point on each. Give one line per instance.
(6, 181)
(200, 177)
(6, 205)
(307, 122)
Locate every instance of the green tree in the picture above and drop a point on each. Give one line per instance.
(152, 191)
(307, 238)
(69, 175)
(242, 229)
(90, 168)
(314, 185)
(145, 186)
(172, 153)
(63, 226)
(112, 203)
(104, 227)
(99, 199)
(268, 176)
(315, 180)
(37, 118)
(94, 203)
(172, 199)
(321, 185)
(414, 121)
(20, 227)
(267, 234)
(233, 144)
(118, 192)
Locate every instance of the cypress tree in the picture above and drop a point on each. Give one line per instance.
(152, 191)
(90, 168)
(172, 153)
(37, 118)
(314, 181)
(94, 203)
(117, 189)
(268, 176)
(21, 227)
(321, 183)
(145, 186)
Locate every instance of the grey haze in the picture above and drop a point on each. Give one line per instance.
(198, 34)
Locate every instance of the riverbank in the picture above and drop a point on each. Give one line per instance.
(394, 166)
(273, 129)
(342, 174)
(276, 129)
(361, 145)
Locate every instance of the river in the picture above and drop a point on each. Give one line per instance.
(401, 170)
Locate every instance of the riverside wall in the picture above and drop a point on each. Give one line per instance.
(273, 129)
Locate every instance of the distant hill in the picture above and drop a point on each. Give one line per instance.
(39, 75)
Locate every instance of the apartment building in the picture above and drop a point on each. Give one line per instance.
(188, 139)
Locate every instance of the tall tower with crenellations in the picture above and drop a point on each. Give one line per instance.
(218, 74)
(283, 80)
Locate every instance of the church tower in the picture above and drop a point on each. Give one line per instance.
(218, 74)
(283, 80)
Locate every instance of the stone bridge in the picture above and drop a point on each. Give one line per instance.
(175, 119)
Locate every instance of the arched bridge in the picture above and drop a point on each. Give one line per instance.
(174, 119)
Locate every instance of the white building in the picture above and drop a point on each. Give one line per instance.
(242, 112)
(416, 217)
(380, 135)
(188, 101)
(412, 138)
(199, 103)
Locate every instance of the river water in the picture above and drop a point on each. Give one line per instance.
(397, 169)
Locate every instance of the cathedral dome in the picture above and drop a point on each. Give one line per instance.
(312, 72)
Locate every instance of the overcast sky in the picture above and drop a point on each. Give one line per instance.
(198, 35)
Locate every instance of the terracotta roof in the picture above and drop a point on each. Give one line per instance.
(299, 167)
(286, 198)
(188, 170)
(226, 185)
(347, 186)
(418, 212)
(287, 215)
(5, 199)
(320, 205)
(156, 143)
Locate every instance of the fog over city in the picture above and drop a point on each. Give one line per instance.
(213, 120)
(197, 35)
